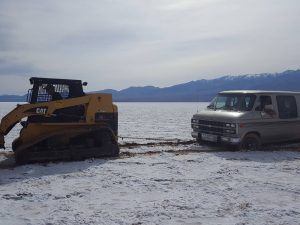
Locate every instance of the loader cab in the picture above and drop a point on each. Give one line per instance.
(64, 87)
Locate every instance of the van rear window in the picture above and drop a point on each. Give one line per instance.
(287, 107)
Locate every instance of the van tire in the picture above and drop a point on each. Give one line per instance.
(251, 142)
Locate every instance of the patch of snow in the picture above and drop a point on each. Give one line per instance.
(251, 76)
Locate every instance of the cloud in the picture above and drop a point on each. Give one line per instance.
(14, 84)
(116, 44)
(16, 69)
(4, 38)
(8, 67)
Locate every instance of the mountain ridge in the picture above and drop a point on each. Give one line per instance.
(204, 90)
(199, 90)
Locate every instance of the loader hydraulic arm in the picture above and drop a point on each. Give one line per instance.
(47, 109)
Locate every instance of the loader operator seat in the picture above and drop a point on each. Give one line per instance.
(50, 89)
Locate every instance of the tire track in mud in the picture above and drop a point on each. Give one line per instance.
(188, 146)
(162, 143)
(9, 162)
(128, 154)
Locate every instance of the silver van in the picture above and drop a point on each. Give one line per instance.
(248, 119)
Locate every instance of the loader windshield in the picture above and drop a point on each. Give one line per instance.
(58, 89)
(232, 102)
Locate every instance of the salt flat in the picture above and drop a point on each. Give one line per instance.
(155, 184)
(158, 188)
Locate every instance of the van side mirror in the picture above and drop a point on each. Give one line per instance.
(84, 84)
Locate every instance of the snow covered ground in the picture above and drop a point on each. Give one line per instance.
(181, 186)
(154, 184)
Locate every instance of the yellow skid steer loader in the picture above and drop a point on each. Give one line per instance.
(62, 123)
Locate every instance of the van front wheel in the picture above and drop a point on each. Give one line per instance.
(251, 142)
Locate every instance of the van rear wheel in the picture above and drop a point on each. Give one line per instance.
(251, 142)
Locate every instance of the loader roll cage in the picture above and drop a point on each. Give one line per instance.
(66, 88)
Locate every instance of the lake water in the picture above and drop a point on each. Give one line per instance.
(159, 120)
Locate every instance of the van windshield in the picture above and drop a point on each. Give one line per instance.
(232, 102)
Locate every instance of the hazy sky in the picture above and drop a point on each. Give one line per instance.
(121, 43)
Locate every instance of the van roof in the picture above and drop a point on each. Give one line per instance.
(258, 92)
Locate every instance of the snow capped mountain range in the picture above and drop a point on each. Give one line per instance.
(261, 75)
(201, 90)
(204, 90)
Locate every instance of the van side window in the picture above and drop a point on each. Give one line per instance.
(248, 102)
(264, 100)
(287, 107)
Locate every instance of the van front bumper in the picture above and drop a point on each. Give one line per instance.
(216, 138)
